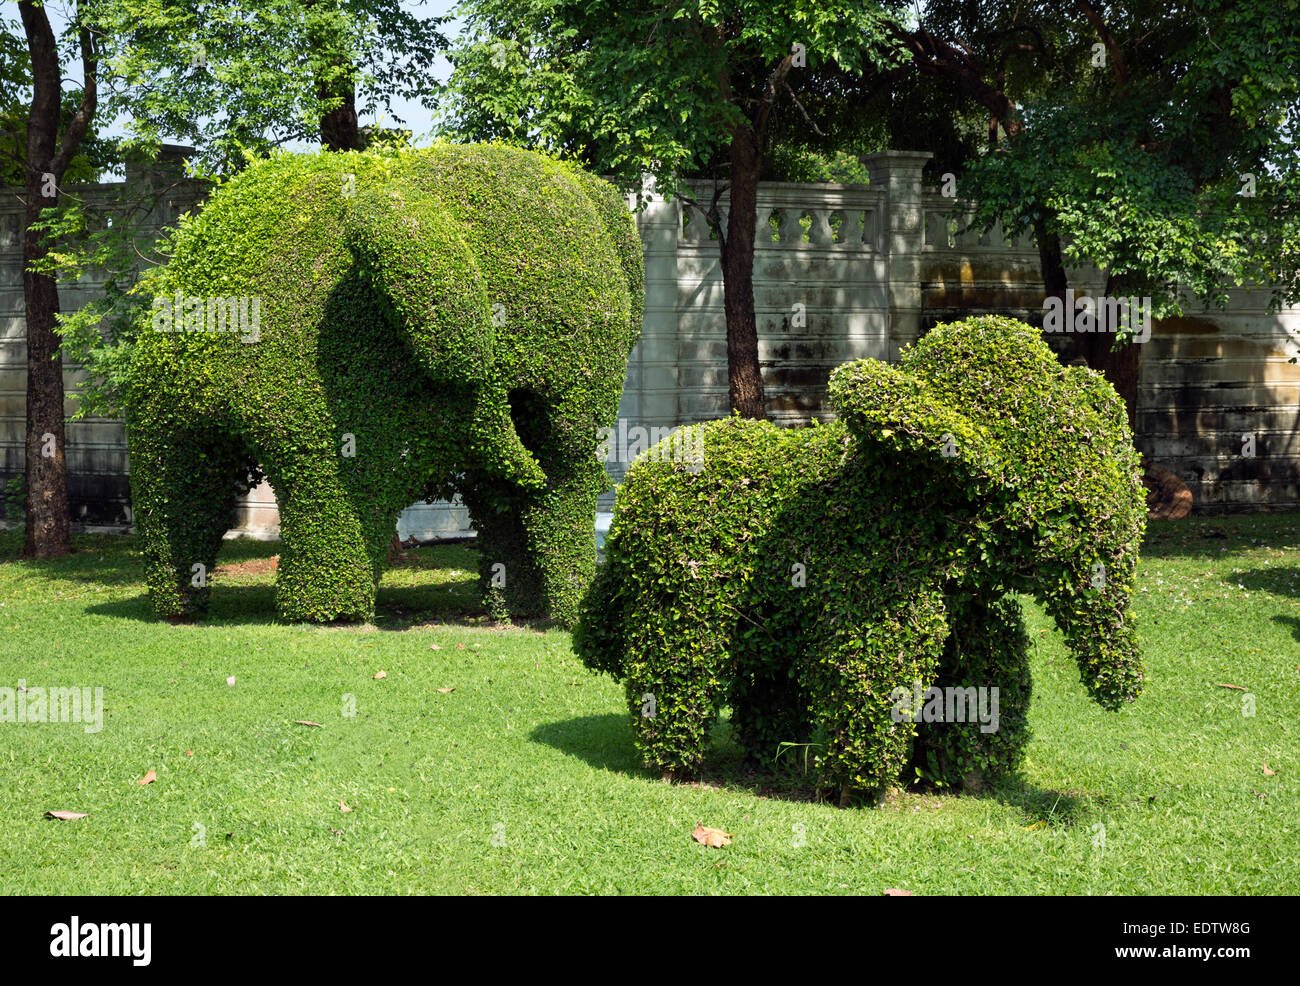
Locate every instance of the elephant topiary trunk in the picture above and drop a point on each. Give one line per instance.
(369, 330)
(820, 581)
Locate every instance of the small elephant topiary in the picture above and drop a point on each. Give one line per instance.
(846, 587)
(371, 329)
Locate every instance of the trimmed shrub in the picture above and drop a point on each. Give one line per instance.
(812, 578)
(449, 320)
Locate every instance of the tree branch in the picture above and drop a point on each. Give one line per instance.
(76, 131)
(1112, 46)
(816, 129)
(774, 82)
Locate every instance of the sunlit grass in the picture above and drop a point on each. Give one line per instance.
(489, 760)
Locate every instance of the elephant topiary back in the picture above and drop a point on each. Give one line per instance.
(433, 322)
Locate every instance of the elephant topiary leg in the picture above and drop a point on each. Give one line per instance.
(675, 685)
(561, 529)
(183, 490)
(987, 649)
(508, 578)
(538, 555)
(327, 570)
(851, 677)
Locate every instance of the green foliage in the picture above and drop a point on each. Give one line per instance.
(986, 643)
(802, 575)
(786, 163)
(456, 319)
(649, 87)
(1133, 147)
(235, 79)
(232, 79)
(87, 165)
(15, 498)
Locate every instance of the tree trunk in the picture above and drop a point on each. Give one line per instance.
(47, 478)
(338, 127)
(335, 77)
(1120, 366)
(1050, 262)
(745, 380)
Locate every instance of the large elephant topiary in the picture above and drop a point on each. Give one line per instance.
(367, 330)
(819, 580)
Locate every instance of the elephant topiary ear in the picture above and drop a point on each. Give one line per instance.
(882, 405)
(412, 253)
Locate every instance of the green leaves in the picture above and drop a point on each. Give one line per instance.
(1139, 171)
(381, 374)
(646, 87)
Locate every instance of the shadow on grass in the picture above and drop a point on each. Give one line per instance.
(1213, 537)
(605, 743)
(243, 592)
(1292, 622)
(253, 604)
(105, 558)
(1039, 806)
(1283, 580)
(406, 595)
(602, 741)
(396, 609)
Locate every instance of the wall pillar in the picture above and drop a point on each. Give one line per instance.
(651, 396)
(898, 175)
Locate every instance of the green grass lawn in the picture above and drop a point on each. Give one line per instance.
(523, 777)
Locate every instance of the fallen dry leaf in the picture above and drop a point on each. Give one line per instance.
(434, 647)
(65, 816)
(148, 778)
(305, 722)
(1267, 772)
(380, 674)
(706, 836)
(337, 831)
(444, 691)
(895, 892)
(189, 753)
(1236, 688)
(343, 806)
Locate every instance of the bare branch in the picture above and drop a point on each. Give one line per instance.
(816, 129)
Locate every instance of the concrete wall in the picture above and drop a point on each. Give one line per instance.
(841, 272)
(1208, 378)
(96, 447)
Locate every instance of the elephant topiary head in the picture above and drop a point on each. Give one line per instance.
(1044, 453)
